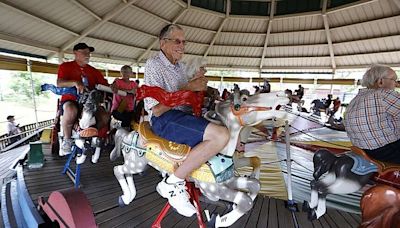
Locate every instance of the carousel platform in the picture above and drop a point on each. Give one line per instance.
(102, 191)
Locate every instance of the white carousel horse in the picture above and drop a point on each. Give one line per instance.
(215, 179)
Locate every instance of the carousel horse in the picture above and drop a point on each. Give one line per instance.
(318, 106)
(87, 139)
(348, 173)
(215, 179)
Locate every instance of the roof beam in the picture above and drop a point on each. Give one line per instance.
(26, 42)
(181, 3)
(228, 9)
(117, 10)
(156, 39)
(271, 17)
(84, 8)
(328, 34)
(20, 11)
(305, 14)
(397, 2)
(394, 52)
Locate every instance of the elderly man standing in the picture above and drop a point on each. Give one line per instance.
(372, 119)
(175, 124)
(79, 74)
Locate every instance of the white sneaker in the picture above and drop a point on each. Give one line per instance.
(65, 148)
(177, 197)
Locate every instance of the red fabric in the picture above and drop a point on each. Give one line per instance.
(102, 132)
(172, 99)
(72, 71)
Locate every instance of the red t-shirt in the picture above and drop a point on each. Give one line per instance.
(73, 72)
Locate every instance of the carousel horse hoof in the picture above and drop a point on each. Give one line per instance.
(80, 159)
(306, 207)
(121, 202)
(211, 222)
(312, 215)
(291, 206)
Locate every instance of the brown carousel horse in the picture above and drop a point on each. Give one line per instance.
(348, 173)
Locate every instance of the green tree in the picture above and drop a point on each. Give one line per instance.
(21, 84)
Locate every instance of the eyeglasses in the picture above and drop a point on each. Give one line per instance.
(177, 41)
(393, 79)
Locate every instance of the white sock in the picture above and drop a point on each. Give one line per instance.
(174, 179)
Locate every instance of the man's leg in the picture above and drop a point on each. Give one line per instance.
(69, 118)
(214, 139)
(173, 188)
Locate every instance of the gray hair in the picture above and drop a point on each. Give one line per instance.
(193, 65)
(167, 30)
(373, 74)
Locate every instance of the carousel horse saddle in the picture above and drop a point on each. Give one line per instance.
(361, 165)
(88, 132)
(388, 173)
(176, 152)
(166, 155)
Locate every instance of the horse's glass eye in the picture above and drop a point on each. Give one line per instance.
(244, 98)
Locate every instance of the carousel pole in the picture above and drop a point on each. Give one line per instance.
(291, 205)
(29, 65)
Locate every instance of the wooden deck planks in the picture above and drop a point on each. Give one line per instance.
(103, 190)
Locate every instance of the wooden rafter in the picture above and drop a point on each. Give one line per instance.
(271, 17)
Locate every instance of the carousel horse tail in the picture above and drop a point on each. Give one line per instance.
(323, 160)
(380, 206)
(118, 138)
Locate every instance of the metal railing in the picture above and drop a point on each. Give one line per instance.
(26, 130)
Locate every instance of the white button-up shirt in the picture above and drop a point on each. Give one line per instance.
(159, 71)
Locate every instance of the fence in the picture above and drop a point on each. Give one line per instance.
(26, 130)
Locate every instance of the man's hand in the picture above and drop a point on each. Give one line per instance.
(197, 84)
(80, 88)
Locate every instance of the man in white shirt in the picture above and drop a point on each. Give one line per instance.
(13, 129)
(176, 124)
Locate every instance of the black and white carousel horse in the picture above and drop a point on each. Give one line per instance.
(348, 173)
(86, 137)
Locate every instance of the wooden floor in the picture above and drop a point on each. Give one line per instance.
(102, 190)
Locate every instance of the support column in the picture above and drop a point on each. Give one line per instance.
(60, 57)
(29, 66)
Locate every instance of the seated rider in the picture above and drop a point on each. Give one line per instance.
(372, 119)
(176, 124)
(79, 74)
(299, 92)
(122, 106)
(328, 102)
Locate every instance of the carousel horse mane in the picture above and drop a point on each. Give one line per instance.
(91, 101)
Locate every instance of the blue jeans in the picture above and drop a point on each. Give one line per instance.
(179, 127)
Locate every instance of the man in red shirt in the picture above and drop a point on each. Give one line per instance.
(79, 74)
